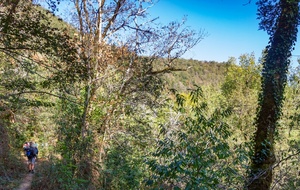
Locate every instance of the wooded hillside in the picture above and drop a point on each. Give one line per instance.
(194, 72)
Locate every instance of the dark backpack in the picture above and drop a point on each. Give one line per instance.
(31, 152)
(28, 152)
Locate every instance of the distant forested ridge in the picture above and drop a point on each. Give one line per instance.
(195, 72)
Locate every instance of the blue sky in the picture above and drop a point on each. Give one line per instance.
(231, 25)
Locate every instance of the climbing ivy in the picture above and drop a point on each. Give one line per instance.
(280, 19)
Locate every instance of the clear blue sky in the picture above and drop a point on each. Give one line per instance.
(232, 26)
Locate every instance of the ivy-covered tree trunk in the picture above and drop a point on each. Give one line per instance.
(283, 34)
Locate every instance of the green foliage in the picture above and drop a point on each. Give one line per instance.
(10, 175)
(194, 153)
(287, 146)
(240, 90)
(122, 168)
(202, 73)
(56, 174)
(241, 79)
(68, 121)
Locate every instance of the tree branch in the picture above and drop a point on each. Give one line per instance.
(43, 92)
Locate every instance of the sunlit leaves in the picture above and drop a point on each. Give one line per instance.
(188, 156)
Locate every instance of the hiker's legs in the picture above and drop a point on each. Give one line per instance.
(32, 167)
(31, 164)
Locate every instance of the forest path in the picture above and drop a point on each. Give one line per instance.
(27, 179)
(26, 183)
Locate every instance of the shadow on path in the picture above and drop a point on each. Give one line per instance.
(26, 183)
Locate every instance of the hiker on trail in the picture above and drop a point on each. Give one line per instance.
(31, 153)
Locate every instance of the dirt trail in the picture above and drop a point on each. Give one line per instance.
(26, 183)
(27, 180)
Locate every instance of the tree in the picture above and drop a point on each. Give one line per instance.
(31, 75)
(31, 52)
(118, 45)
(280, 19)
(240, 89)
(37, 53)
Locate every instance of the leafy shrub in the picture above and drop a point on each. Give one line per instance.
(195, 154)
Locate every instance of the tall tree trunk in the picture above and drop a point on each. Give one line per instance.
(274, 78)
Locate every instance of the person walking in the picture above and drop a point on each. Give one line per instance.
(31, 153)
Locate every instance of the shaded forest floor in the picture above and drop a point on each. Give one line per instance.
(13, 169)
(14, 174)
